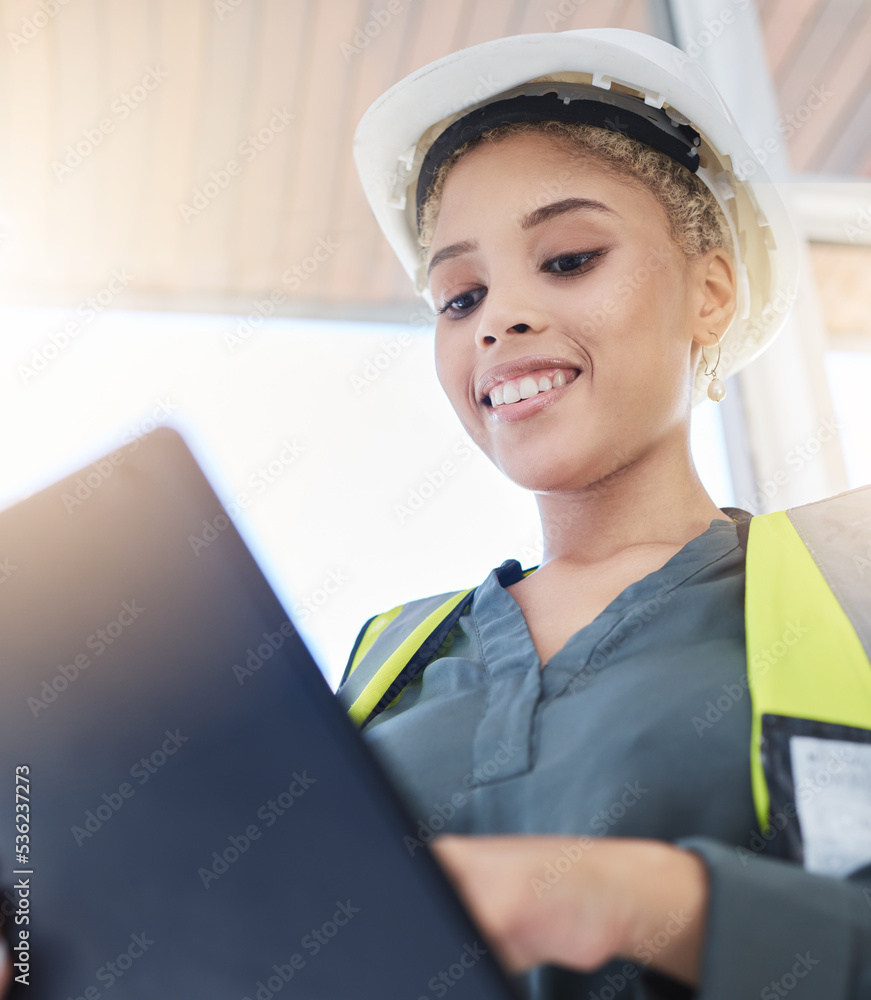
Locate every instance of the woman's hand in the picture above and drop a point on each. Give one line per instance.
(574, 901)
(581, 901)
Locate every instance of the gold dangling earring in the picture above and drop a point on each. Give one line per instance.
(716, 390)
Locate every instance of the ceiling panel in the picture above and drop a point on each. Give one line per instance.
(818, 54)
(202, 148)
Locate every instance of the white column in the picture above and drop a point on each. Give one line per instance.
(792, 435)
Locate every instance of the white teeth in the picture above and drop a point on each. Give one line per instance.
(510, 393)
(526, 388)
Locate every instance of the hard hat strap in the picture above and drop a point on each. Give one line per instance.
(614, 112)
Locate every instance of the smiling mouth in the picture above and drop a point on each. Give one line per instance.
(532, 384)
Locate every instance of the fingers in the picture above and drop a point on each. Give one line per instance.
(496, 877)
(552, 898)
(486, 885)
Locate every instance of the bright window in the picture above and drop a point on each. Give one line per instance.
(386, 500)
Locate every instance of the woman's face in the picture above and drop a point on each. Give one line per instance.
(548, 270)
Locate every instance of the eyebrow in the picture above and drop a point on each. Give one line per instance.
(451, 251)
(557, 208)
(536, 218)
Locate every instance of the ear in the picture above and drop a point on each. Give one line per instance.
(715, 295)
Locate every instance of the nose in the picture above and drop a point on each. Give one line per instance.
(505, 314)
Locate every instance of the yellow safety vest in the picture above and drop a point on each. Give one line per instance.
(809, 565)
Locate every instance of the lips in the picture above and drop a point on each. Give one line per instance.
(517, 378)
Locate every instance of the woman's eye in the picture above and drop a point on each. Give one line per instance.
(462, 304)
(569, 263)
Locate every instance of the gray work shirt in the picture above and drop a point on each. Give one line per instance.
(639, 727)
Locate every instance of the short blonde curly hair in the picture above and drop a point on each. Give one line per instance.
(696, 221)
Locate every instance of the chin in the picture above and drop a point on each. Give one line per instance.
(540, 477)
(561, 472)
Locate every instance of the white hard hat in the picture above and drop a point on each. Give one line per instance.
(669, 103)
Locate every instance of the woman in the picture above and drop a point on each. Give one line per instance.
(601, 249)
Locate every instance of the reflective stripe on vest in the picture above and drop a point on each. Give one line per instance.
(808, 629)
(394, 656)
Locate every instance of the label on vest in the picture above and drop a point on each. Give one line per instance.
(832, 781)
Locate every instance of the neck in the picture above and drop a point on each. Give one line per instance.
(656, 500)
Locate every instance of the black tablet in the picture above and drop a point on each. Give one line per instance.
(186, 809)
